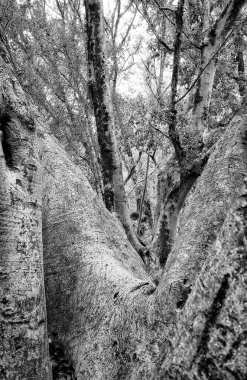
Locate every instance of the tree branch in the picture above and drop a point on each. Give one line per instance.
(174, 83)
(151, 25)
(159, 130)
(143, 196)
(227, 18)
(163, 9)
(133, 168)
(204, 68)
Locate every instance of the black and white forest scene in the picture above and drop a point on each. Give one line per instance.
(123, 189)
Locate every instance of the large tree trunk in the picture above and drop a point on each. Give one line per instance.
(102, 306)
(210, 336)
(191, 155)
(205, 210)
(93, 275)
(106, 318)
(23, 334)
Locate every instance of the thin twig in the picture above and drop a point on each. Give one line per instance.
(143, 196)
(137, 183)
(133, 168)
(163, 133)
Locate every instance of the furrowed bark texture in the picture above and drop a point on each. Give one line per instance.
(96, 283)
(23, 333)
(210, 336)
(204, 212)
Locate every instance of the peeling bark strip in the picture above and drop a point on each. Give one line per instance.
(23, 334)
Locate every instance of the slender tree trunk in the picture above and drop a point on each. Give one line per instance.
(214, 38)
(239, 44)
(173, 134)
(94, 154)
(203, 93)
(204, 87)
(100, 95)
(166, 225)
(23, 333)
(114, 191)
(143, 195)
(161, 68)
(166, 229)
(160, 180)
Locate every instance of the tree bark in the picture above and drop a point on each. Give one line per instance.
(191, 156)
(209, 338)
(168, 180)
(239, 45)
(205, 210)
(23, 334)
(100, 94)
(95, 280)
(173, 200)
(114, 192)
(172, 122)
(214, 38)
(102, 305)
